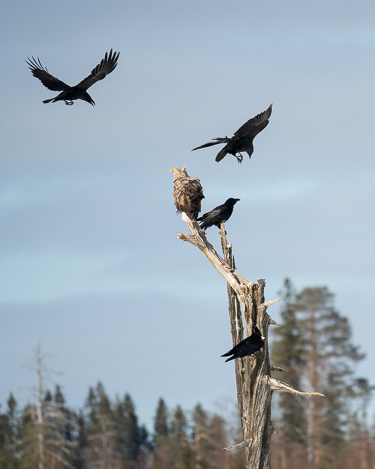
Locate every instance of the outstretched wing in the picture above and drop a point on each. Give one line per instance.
(254, 125)
(48, 80)
(106, 66)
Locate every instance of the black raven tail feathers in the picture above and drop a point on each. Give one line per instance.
(227, 355)
(216, 141)
(203, 225)
(48, 100)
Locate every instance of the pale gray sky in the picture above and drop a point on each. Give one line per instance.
(90, 264)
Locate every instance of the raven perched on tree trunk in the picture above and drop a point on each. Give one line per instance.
(248, 346)
(70, 93)
(242, 140)
(218, 214)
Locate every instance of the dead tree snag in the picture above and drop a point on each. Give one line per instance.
(253, 374)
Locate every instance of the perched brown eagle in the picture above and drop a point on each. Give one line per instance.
(187, 193)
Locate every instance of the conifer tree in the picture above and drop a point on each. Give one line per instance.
(9, 435)
(29, 441)
(161, 427)
(129, 433)
(162, 441)
(182, 451)
(200, 424)
(60, 424)
(101, 429)
(82, 442)
(217, 435)
(315, 343)
(287, 352)
(209, 440)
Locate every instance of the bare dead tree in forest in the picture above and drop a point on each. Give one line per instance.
(39, 431)
(48, 423)
(255, 384)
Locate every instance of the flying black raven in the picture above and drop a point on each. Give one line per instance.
(246, 347)
(218, 214)
(242, 140)
(70, 93)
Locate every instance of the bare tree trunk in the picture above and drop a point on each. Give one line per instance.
(41, 443)
(198, 454)
(310, 437)
(253, 374)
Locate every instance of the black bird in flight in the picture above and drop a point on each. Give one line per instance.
(70, 93)
(242, 140)
(248, 346)
(218, 214)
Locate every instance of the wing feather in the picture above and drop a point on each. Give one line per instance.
(106, 66)
(254, 125)
(48, 80)
(212, 215)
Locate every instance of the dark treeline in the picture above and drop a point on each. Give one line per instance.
(106, 434)
(313, 345)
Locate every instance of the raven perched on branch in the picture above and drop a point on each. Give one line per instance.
(70, 93)
(246, 347)
(242, 140)
(218, 214)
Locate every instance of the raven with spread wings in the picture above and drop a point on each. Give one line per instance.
(71, 93)
(242, 140)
